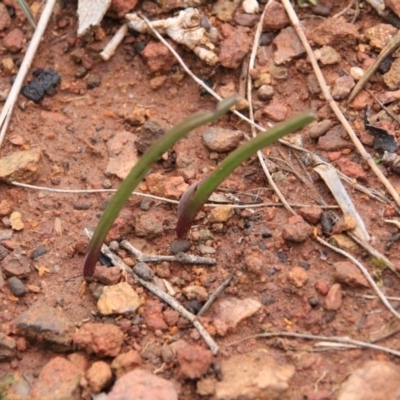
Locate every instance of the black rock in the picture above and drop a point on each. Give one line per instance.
(45, 82)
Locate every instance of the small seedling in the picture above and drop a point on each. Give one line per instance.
(197, 195)
(138, 173)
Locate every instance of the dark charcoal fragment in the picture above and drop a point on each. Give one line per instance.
(45, 82)
(385, 65)
(209, 83)
(194, 306)
(304, 265)
(384, 141)
(17, 287)
(104, 260)
(39, 251)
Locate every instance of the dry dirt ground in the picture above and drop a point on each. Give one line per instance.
(56, 344)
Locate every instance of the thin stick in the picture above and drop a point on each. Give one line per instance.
(337, 339)
(112, 45)
(215, 294)
(365, 273)
(371, 296)
(332, 103)
(118, 262)
(23, 70)
(185, 313)
(150, 196)
(180, 257)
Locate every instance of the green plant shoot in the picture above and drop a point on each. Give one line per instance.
(197, 194)
(138, 173)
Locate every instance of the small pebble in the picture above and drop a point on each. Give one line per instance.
(180, 246)
(145, 204)
(17, 287)
(39, 251)
(357, 73)
(313, 302)
(265, 92)
(114, 245)
(93, 81)
(143, 271)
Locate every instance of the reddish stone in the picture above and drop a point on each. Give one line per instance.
(362, 100)
(104, 340)
(59, 379)
(311, 214)
(14, 40)
(276, 110)
(139, 384)
(333, 140)
(335, 32)
(297, 232)
(194, 361)
(334, 155)
(107, 275)
(171, 317)
(351, 169)
(119, 8)
(322, 287)
(235, 45)
(99, 376)
(275, 18)
(126, 362)
(158, 57)
(153, 316)
(346, 272)
(333, 300)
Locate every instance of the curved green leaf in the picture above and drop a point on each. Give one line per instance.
(139, 171)
(191, 203)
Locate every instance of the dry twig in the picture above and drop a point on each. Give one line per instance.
(180, 257)
(163, 199)
(113, 44)
(337, 339)
(215, 294)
